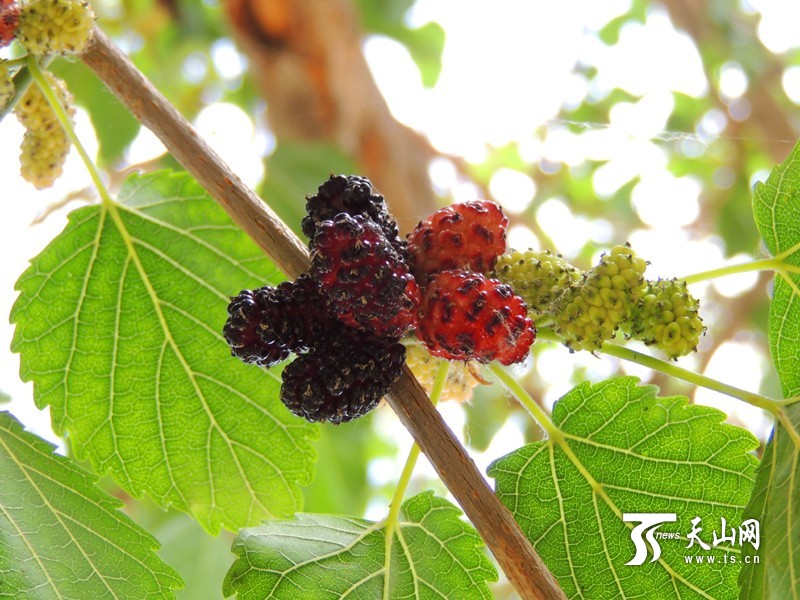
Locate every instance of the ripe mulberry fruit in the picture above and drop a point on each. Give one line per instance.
(274, 321)
(594, 308)
(45, 146)
(368, 283)
(55, 26)
(668, 318)
(352, 195)
(9, 17)
(242, 332)
(467, 236)
(344, 380)
(7, 89)
(538, 277)
(465, 316)
(297, 316)
(459, 384)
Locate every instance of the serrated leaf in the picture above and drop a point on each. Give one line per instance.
(776, 498)
(316, 557)
(119, 326)
(61, 536)
(628, 451)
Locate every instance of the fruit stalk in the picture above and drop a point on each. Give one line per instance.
(494, 522)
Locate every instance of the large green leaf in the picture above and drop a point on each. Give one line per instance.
(61, 536)
(776, 499)
(317, 557)
(620, 449)
(119, 326)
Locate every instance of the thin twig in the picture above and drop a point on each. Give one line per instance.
(494, 522)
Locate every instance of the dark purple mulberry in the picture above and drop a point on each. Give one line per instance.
(352, 195)
(343, 380)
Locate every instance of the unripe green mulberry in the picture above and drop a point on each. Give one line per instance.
(459, 384)
(668, 318)
(45, 145)
(55, 26)
(6, 85)
(539, 277)
(593, 309)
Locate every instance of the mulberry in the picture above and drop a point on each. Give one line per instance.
(465, 316)
(344, 380)
(352, 195)
(368, 283)
(538, 277)
(55, 26)
(594, 308)
(242, 332)
(668, 318)
(466, 236)
(45, 146)
(7, 89)
(9, 18)
(459, 384)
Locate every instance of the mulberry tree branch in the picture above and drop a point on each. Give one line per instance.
(494, 522)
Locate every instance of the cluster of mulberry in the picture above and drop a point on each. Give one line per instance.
(465, 315)
(586, 309)
(43, 27)
(366, 289)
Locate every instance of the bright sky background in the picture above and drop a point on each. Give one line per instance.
(483, 98)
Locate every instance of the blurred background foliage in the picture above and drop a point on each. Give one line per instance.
(636, 121)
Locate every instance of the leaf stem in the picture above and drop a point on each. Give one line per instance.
(662, 366)
(667, 368)
(766, 264)
(20, 61)
(405, 478)
(61, 114)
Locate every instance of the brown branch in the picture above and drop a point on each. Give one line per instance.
(513, 552)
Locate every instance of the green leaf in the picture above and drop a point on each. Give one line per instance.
(776, 205)
(61, 536)
(434, 555)
(776, 498)
(119, 326)
(620, 449)
(4, 398)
